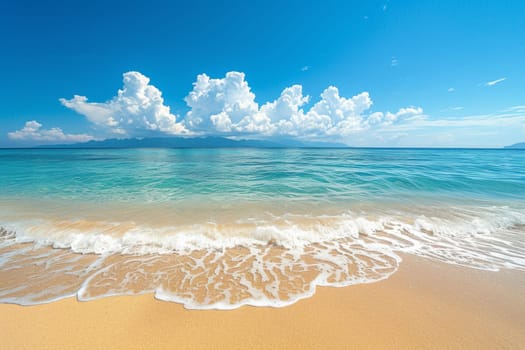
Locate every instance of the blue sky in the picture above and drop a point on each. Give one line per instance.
(366, 73)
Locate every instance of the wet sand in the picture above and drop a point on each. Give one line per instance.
(424, 305)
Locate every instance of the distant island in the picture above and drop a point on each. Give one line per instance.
(520, 145)
(197, 142)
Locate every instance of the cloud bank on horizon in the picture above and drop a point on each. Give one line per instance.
(32, 130)
(223, 106)
(227, 107)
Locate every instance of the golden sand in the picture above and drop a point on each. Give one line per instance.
(425, 305)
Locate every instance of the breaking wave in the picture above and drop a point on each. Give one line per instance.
(269, 260)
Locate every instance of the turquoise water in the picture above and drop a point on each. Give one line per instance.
(351, 175)
(114, 217)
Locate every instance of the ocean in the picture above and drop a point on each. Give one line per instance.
(222, 228)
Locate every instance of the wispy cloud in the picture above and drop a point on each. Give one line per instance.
(454, 108)
(495, 82)
(482, 130)
(305, 68)
(507, 117)
(394, 62)
(517, 109)
(451, 89)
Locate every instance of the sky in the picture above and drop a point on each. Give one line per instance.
(384, 73)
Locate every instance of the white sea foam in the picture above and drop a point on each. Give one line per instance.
(271, 260)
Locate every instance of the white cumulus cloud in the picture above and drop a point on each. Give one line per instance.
(223, 105)
(227, 106)
(138, 107)
(32, 131)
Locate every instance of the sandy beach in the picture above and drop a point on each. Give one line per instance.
(425, 305)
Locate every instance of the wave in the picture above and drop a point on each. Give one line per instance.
(271, 260)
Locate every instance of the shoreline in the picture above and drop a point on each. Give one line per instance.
(425, 305)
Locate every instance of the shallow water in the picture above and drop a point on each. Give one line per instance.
(221, 228)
